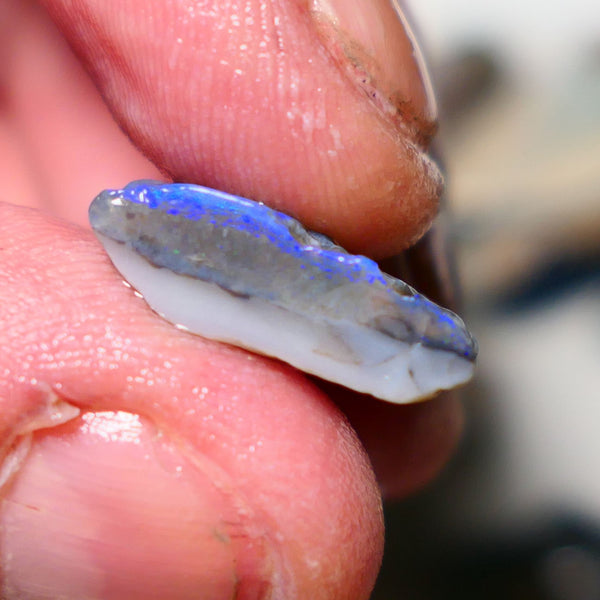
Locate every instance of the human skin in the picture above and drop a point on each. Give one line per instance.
(195, 469)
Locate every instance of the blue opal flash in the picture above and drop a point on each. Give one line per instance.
(266, 260)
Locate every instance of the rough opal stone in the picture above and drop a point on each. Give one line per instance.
(255, 254)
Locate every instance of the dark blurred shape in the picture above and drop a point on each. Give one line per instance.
(465, 81)
(571, 573)
(555, 560)
(552, 281)
(430, 266)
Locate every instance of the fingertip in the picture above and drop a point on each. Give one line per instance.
(262, 110)
(409, 444)
(276, 447)
(105, 508)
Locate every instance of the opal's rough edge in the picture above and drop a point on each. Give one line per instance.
(254, 252)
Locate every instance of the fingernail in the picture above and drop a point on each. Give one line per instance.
(374, 43)
(107, 507)
(37, 407)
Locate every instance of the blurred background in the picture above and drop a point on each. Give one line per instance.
(516, 515)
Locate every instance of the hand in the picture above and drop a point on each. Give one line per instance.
(195, 469)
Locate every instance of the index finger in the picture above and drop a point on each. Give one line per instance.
(288, 103)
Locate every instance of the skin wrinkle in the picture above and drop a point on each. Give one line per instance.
(362, 69)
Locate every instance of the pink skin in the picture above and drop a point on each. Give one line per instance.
(193, 469)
